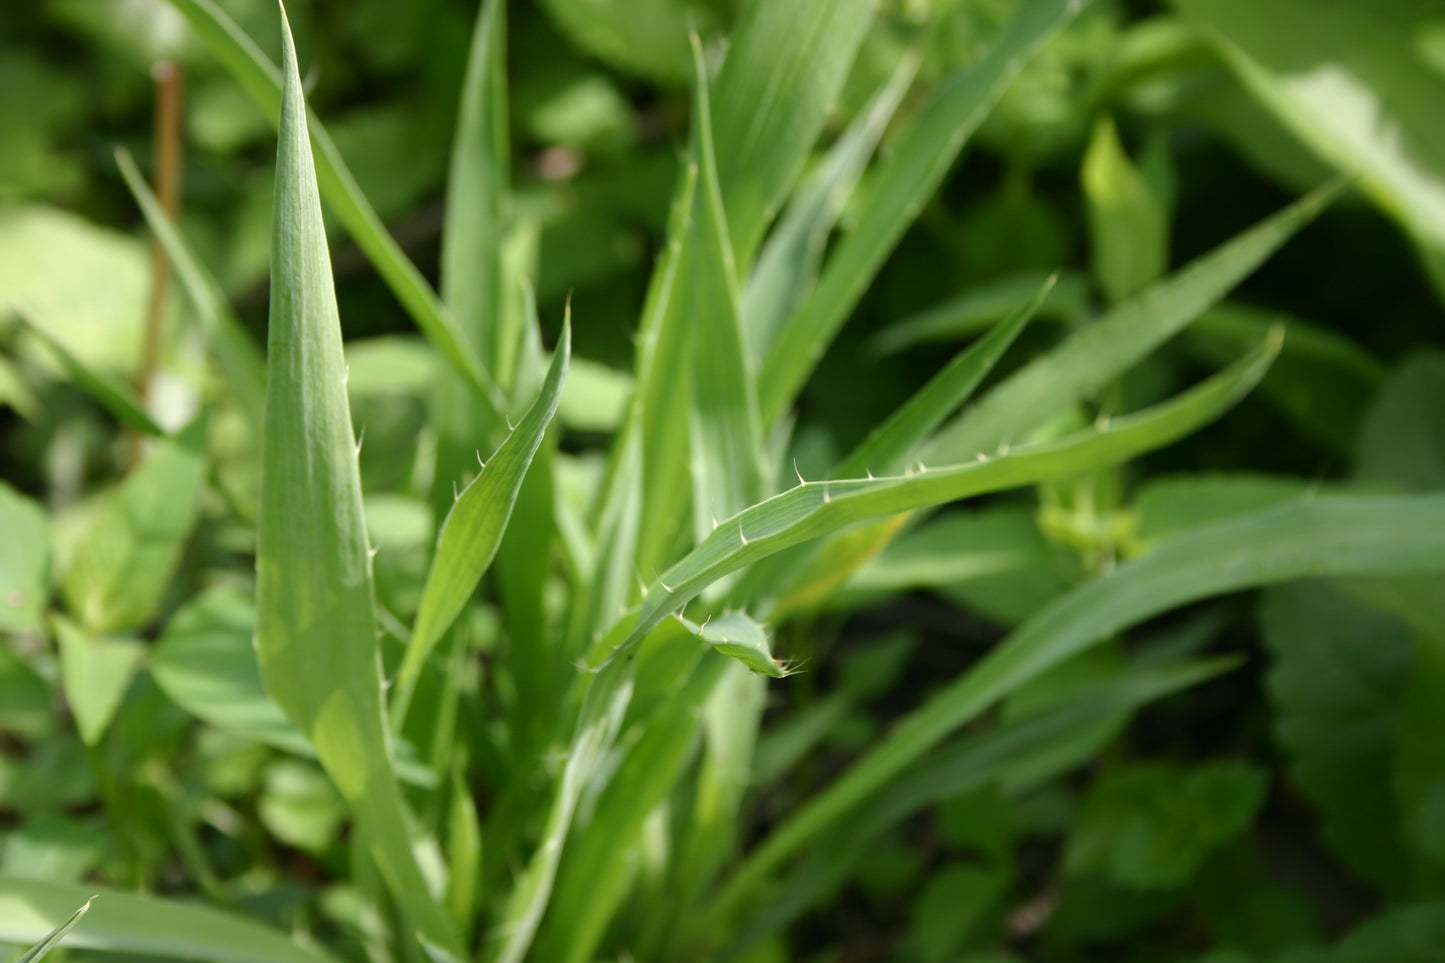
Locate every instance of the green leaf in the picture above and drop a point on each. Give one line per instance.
(919, 161)
(957, 547)
(263, 83)
(1150, 825)
(985, 305)
(785, 68)
(725, 437)
(888, 446)
(471, 270)
(1013, 758)
(1324, 536)
(39, 950)
(110, 394)
(473, 529)
(1402, 442)
(143, 926)
(1128, 226)
(242, 366)
(597, 866)
(123, 565)
(95, 673)
(1168, 505)
(1337, 680)
(316, 635)
(812, 509)
(788, 265)
(1096, 355)
(206, 664)
(656, 433)
(43, 250)
(736, 636)
(1352, 85)
(643, 37)
(24, 562)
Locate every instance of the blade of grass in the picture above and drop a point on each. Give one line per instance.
(887, 448)
(1335, 536)
(51, 941)
(316, 635)
(726, 442)
(659, 415)
(812, 509)
(1097, 354)
(922, 157)
(595, 874)
(472, 531)
(108, 393)
(471, 268)
(788, 264)
(785, 67)
(262, 81)
(240, 359)
(1020, 755)
(142, 926)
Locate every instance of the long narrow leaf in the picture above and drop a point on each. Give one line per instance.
(1104, 350)
(726, 442)
(52, 940)
(472, 531)
(1334, 536)
(787, 266)
(113, 397)
(785, 67)
(242, 365)
(918, 164)
(890, 444)
(1021, 752)
(262, 81)
(315, 624)
(471, 271)
(812, 509)
(142, 926)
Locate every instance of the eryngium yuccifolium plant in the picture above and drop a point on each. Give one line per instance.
(541, 721)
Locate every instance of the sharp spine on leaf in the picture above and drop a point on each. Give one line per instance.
(360, 437)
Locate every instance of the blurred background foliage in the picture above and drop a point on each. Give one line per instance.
(1251, 819)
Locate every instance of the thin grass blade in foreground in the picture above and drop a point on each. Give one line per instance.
(39, 950)
(142, 926)
(1334, 536)
(242, 365)
(316, 629)
(474, 528)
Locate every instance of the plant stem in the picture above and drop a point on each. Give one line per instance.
(166, 138)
